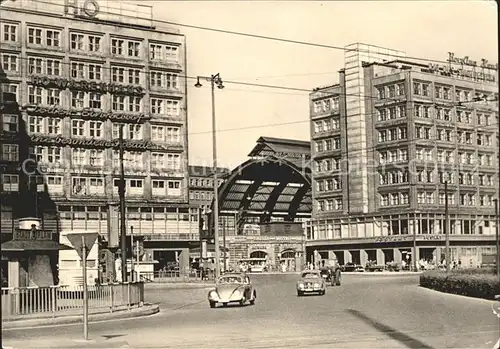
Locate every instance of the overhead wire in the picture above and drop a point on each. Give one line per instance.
(263, 37)
(273, 39)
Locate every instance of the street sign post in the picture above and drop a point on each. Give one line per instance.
(83, 242)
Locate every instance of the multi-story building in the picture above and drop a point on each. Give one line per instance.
(201, 185)
(81, 72)
(384, 142)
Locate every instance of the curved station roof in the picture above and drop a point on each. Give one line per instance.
(275, 181)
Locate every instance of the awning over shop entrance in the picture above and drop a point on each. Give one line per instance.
(35, 245)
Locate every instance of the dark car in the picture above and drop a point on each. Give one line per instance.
(349, 267)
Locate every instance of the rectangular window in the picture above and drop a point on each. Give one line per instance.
(10, 152)
(10, 123)
(172, 81)
(95, 71)
(34, 36)
(95, 100)
(134, 49)
(117, 46)
(158, 133)
(94, 43)
(10, 32)
(53, 38)
(77, 42)
(10, 62)
(10, 182)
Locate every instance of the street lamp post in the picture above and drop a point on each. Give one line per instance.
(214, 80)
(446, 227)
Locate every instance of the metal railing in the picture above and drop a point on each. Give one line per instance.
(175, 276)
(64, 300)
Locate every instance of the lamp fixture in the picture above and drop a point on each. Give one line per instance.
(198, 85)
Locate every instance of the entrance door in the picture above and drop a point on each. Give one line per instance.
(288, 258)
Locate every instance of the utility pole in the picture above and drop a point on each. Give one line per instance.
(224, 244)
(132, 254)
(121, 193)
(497, 228)
(446, 227)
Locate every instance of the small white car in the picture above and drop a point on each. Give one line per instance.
(232, 288)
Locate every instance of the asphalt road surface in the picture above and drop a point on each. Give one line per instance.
(365, 312)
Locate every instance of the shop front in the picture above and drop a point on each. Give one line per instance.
(276, 253)
(405, 250)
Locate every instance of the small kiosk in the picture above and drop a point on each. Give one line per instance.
(32, 255)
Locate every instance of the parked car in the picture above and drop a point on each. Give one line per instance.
(232, 288)
(311, 282)
(373, 266)
(350, 267)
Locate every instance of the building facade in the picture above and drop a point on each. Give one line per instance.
(381, 160)
(81, 72)
(265, 206)
(201, 185)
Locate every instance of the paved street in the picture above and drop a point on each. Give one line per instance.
(365, 312)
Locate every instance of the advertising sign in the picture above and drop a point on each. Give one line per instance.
(281, 229)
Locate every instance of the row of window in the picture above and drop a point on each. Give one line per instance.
(327, 165)
(446, 114)
(95, 100)
(392, 134)
(329, 184)
(449, 135)
(393, 177)
(91, 71)
(327, 144)
(205, 182)
(394, 199)
(424, 89)
(201, 195)
(92, 129)
(327, 104)
(93, 185)
(326, 125)
(426, 176)
(391, 113)
(93, 43)
(448, 156)
(391, 91)
(334, 204)
(95, 157)
(465, 199)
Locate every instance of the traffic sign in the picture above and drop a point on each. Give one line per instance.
(77, 239)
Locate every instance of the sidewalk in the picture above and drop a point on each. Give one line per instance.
(382, 273)
(75, 316)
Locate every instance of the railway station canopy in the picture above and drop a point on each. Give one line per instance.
(274, 181)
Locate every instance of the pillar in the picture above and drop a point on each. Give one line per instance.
(380, 257)
(397, 255)
(13, 273)
(363, 257)
(347, 257)
(416, 254)
(183, 260)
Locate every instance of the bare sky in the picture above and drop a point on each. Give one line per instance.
(426, 29)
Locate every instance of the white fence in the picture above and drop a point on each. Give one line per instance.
(55, 300)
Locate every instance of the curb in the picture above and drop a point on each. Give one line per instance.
(178, 285)
(145, 310)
